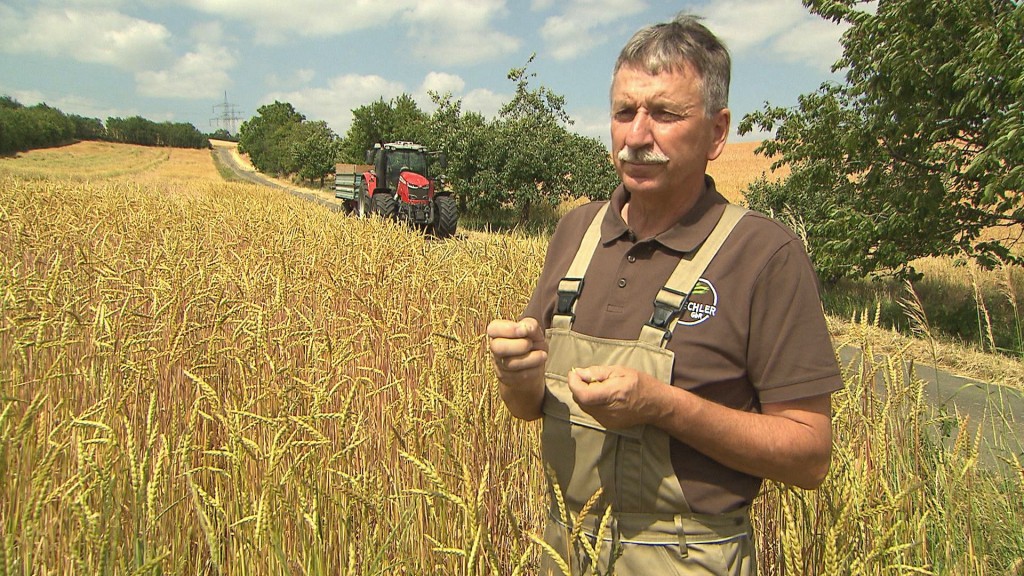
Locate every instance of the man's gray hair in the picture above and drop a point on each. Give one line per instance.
(671, 45)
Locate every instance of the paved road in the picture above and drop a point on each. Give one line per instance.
(997, 410)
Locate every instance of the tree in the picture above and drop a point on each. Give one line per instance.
(266, 137)
(12, 128)
(462, 136)
(314, 150)
(139, 130)
(181, 135)
(591, 172)
(532, 157)
(88, 128)
(133, 130)
(222, 134)
(399, 119)
(920, 151)
(24, 128)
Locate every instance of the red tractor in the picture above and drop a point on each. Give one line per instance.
(396, 183)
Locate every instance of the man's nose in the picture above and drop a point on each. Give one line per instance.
(639, 134)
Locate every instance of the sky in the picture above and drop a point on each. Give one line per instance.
(203, 61)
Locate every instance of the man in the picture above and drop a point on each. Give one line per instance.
(674, 345)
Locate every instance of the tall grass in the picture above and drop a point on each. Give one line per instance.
(971, 310)
(216, 378)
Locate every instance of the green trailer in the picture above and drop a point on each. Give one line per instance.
(350, 187)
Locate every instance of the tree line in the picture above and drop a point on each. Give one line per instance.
(24, 128)
(138, 130)
(525, 159)
(920, 152)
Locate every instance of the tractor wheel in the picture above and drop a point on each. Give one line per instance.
(383, 205)
(447, 216)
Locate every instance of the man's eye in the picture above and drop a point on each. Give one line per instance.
(664, 116)
(625, 115)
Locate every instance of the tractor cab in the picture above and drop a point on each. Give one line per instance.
(391, 160)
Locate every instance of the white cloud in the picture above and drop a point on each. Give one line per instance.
(448, 32)
(784, 28)
(99, 37)
(68, 103)
(456, 32)
(334, 103)
(298, 77)
(93, 33)
(579, 28)
(274, 21)
(84, 3)
(90, 108)
(485, 102)
(812, 42)
(442, 83)
(210, 32)
(24, 97)
(305, 75)
(201, 74)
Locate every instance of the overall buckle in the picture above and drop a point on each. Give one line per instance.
(665, 312)
(568, 292)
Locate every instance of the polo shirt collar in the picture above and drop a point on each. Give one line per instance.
(686, 235)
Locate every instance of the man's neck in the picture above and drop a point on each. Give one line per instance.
(648, 215)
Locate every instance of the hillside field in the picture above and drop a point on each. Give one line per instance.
(203, 377)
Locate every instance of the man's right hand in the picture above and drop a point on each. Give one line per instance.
(520, 353)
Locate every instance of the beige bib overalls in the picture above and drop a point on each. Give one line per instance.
(651, 529)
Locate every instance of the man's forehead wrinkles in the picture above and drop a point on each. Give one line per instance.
(666, 90)
(657, 101)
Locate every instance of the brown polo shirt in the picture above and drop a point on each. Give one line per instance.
(753, 333)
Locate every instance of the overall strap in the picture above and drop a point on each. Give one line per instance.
(571, 285)
(672, 298)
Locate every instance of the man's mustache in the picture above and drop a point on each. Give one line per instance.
(642, 156)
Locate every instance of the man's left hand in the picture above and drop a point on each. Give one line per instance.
(616, 396)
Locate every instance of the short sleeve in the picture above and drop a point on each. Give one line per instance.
(790, 354)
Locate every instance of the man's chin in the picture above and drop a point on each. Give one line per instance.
(639, 182)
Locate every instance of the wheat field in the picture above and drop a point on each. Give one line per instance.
(737, 166)
(201, 377)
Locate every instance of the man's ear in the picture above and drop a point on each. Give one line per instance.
(720, 132)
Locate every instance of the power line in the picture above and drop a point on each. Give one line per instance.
(229, 115)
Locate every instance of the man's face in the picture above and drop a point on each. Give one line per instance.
(660, 120)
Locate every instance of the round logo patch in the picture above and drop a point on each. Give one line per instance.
(703, 304)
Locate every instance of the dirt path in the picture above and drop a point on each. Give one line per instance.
(227, 154)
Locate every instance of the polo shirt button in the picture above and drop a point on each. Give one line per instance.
(622, 282)
(631, 258)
